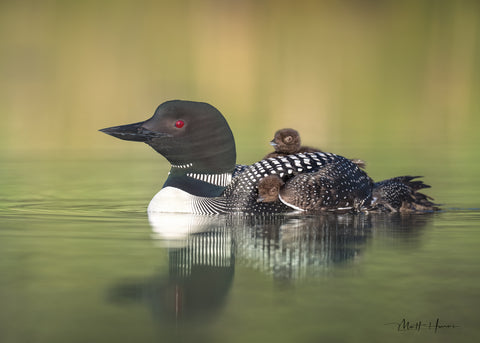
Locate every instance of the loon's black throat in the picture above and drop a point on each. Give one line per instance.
(198, 184)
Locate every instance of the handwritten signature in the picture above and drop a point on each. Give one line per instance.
(406, 325)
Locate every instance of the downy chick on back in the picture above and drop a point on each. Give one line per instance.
(288, 142)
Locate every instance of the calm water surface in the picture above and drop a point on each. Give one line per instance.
(80, 261)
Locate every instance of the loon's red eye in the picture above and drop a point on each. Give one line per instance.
(179, 124)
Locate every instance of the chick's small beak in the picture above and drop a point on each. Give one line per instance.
(260, 199)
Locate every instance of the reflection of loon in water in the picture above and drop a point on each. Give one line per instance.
(200, 274)
(206, 249)
(300, 248)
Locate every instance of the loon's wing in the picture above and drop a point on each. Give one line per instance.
(401, 194)
(239, 168)
(242, 192)
(337, 186)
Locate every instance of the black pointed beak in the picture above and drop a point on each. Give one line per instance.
(132, 132)
(272, 142)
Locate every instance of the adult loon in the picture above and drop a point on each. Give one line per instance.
(204, 177)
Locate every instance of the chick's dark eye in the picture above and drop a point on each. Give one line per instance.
(179, 124)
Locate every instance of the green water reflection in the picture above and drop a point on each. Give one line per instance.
(81, 261)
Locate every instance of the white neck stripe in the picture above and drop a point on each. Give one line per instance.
(215, 179)
(182, 166)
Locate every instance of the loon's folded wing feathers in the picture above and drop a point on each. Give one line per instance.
(415, 185)
(239, 168)
(337, 186)
(242, 193)
(401, 194)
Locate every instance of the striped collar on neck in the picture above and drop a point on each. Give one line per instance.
(182, 166)
(215, 179)
(222, 179)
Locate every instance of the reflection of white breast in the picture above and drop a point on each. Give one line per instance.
(176, 227)
(171, 199)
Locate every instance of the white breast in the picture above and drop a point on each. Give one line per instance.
(171, 199)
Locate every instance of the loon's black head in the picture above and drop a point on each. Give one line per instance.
(191, 135)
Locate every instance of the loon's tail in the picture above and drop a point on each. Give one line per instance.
(401, 194)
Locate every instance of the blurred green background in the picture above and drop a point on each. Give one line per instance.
(351, 76)
(393, 82)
